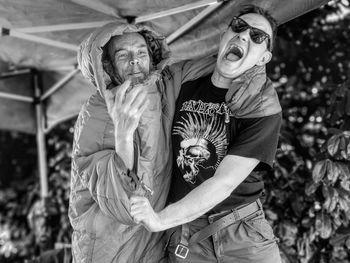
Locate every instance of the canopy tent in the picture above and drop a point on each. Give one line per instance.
(40, 85)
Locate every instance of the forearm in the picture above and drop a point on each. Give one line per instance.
(125, 149)
(230, 173)
(196, 203)
(125, 109)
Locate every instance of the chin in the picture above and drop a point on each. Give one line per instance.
(228, 70)
(137, 80)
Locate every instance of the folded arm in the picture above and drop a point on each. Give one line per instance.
(106, 177)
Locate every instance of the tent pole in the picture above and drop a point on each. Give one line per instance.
(42, 40)
(40, 139)
(62, 27)
(16, 97)
(59, 84)
(175, 10)
(14, 73)
(192, 22)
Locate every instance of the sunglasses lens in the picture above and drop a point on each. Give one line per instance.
(238, 25)
(257, 35)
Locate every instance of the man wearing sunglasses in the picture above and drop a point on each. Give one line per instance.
(225, 133)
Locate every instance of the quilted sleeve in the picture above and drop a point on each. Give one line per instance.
(109, 183)
(98, 167)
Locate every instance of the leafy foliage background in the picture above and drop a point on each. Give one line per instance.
(308, 192)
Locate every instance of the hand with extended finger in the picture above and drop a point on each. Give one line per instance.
(142, 212)
(125, 105)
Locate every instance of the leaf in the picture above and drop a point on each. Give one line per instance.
(338, 239)
(271, 214)
(344, 170)
(311, 188)
(334, 201)
(344, 200)
(336, 219)
(331, 198)
(323, 225)
(333, 144)
(344, 176)
(319, 171)
(333, 171)
(344, 146)
(344, 204)
(347, 243)
(345, 184)
(327, 196)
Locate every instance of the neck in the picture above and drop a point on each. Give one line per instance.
(220, 81)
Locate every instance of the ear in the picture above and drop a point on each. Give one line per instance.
(265, 58)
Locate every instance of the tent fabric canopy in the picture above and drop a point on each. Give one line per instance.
(27, 23)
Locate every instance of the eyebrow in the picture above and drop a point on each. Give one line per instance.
(138, 46)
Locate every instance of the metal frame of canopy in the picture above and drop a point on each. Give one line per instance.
(37, 100)
(39, 97)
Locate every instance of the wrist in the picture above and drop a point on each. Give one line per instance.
(162, 221)
(123, 138)
(125, 150)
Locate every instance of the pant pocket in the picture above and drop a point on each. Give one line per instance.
(173, 238)
(258, 229)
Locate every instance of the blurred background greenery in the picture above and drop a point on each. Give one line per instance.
(308, 192)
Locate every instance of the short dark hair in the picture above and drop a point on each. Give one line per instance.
(248, 9)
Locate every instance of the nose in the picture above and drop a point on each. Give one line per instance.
(134, 61)
(244, 36)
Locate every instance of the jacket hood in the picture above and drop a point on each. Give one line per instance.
(91, 51)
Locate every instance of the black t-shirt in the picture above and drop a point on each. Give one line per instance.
(201, 139)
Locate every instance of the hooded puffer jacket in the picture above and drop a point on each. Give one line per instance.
(103, 230)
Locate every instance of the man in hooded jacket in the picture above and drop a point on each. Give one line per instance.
(122, 141)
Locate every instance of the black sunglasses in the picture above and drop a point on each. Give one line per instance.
(257, 35)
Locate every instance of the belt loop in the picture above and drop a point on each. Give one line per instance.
(259, 204)
(236, 215)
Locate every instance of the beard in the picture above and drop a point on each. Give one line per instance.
(136, 73)
(137, 80)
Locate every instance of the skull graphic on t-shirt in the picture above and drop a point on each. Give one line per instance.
(203, 144)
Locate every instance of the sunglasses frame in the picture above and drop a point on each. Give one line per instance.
(247, 26)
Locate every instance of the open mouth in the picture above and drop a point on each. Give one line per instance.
(234, 53)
